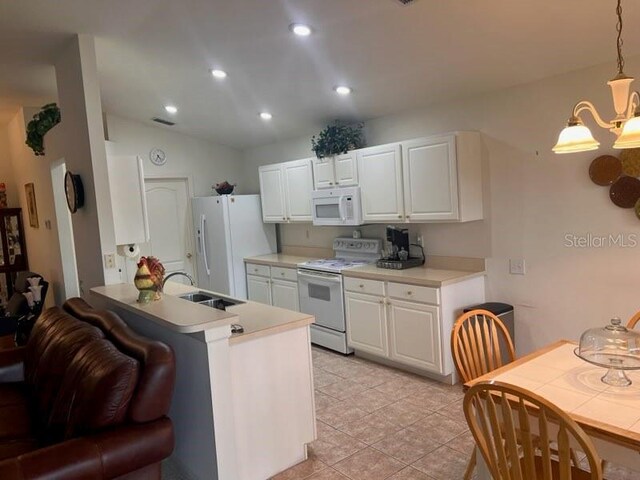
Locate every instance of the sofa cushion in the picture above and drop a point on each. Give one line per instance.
(17, 432)
(95, 392)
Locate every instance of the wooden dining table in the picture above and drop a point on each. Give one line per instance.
(609, 415)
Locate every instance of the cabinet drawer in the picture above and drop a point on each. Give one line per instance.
(259, 270)
(279, 273)
(360, 285)
(414, 293)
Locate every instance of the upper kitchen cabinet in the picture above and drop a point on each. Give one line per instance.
(272, 193)
(285, 190)
(337, 171)
(128, 199)
(380, 180)
(442, 178)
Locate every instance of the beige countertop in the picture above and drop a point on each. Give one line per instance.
(278, 260)
(426, 277)
(184, 316)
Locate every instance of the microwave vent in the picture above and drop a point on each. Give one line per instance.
(406, 2)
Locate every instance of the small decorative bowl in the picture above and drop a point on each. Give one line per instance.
(224, 188)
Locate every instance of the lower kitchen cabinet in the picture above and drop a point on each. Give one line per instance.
(366, 323)
(414, 334)
(273, 286)
(259, 289)
(284, 294)
(406, 324)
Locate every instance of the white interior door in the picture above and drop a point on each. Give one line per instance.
(171, 237)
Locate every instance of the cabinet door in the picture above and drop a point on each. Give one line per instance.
(323, 173)
(298, 185)
(272, 193)
(284, 294)
(430, 179)
(415, 335)
(346, 169)
(128, 199)
(380, 178)
(366, 323)
(259, 289)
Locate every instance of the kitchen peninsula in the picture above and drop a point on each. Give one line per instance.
(243, 407)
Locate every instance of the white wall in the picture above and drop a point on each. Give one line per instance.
(204, 162)
(533, 198)
(7, 175)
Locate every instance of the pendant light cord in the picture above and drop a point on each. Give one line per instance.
(619, 41)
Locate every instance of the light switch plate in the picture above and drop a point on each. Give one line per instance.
(517, 266)
(109, 260)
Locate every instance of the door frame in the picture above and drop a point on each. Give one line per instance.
(188, 179)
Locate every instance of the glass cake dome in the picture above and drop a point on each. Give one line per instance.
(614, 347)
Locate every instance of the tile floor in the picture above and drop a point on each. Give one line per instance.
(378, 423)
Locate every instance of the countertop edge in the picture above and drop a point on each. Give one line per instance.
(244, 337)
(381, 276)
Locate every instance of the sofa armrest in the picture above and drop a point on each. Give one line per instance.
(101, 456)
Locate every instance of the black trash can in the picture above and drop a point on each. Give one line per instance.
(504, 312)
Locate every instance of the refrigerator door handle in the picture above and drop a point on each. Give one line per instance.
(203, 243)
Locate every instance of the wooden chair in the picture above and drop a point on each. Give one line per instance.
(477, 341)
(633, 321)
(514, 430)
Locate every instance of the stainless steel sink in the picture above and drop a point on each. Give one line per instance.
(197, 297)
(208, 300)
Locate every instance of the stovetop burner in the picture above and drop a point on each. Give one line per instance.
(334, 264)
(350, 253)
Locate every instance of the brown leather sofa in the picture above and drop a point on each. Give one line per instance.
(93, 402)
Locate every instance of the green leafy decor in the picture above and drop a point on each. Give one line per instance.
(337, 138)
(43, 121)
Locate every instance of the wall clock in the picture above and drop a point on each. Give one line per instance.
(157, 156)
(74, 191)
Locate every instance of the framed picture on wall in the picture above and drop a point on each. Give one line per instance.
(31, 205)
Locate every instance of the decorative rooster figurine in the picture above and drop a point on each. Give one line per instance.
(148, 279)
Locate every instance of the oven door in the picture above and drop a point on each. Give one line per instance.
(321, 296)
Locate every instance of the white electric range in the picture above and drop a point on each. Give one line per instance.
(320, 289)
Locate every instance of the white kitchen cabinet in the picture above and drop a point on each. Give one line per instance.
(366, 323)
(275, 286)
(284, 294)
(408, 325)
(380, 180)
(128, 199)
(298, 185)
(338, 171)
(259, 289)
(442, 178)
(285, 191)
(272, 193)
(414, 335)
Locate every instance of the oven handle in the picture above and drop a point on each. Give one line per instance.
(327, 277)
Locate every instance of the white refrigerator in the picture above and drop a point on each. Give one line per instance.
(229, 228)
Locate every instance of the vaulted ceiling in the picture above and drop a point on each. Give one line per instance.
(157, 52)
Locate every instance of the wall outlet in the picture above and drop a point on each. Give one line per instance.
(517, 266)
(420, 240)
(109, 260)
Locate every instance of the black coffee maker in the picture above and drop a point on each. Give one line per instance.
(399, 257)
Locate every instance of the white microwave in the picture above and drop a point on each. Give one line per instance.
(338, 206)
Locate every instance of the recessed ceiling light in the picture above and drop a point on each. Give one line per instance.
(301, 29)
(171, 109)
(217, 73)
(342, 90)
(266, 116)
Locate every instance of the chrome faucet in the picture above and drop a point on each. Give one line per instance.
(184, 274)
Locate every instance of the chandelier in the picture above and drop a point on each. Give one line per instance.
(576, 137)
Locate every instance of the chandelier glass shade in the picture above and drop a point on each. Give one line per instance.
(576, 137)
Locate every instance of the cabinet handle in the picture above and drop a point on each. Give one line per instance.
(284, 218)
(255, 270)
(330, 183)
(382, 302)
(282, 273)
(407, 216)
(399, 216)
(361, 285)
(409, 292)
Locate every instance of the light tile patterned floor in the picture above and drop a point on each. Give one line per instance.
(377, 423)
